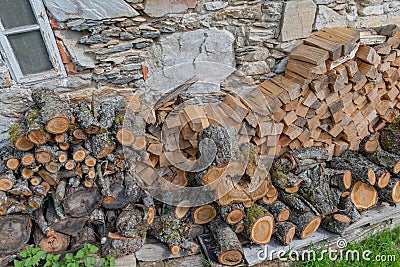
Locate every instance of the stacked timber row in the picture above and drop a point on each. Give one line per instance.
(340, 85)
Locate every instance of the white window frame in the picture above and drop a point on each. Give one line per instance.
(43, 25)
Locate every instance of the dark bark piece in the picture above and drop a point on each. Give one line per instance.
(364, 196)
(36, 129)
(381, 157)
(286, 181)
(341, 179)
(204, 214)
(81, 201)
(117, 245)
(21, 189)
(18, 137)
(391, 193)
(86, 118)
(389, 137)
(279, 210)
(54, 111)
(228, 247)
(295, 202)
(346, 207)
(285, 232)
(361, 168)
(15, 231)
(104, 182)
(307, 223)
(122, 199)
(132, 223)
(102, 144)
(259, 224)
(336, 223)
(315, 189)
(232, 214)
(38, 217)
(369, 143)
(86, 235)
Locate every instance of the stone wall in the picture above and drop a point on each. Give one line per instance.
(142, 44)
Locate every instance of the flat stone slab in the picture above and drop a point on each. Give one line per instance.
(63, 10)
(159, 8)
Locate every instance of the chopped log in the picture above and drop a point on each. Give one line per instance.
(62, 157)
(181, 212)
(90, 161)
(35, 180)
(305, 158)
(35, 201)
(12, 163)
(27, 159)
(21, 189)
(168, 230)
(232, 214)
(204, 214)
(18, 137)
(336, 223)
(61, 187)
(15, 231)
(51, 178)
(38, 217)
(259, 224)
(364, 196)
(228, 247)
(70, 165)
(52, 166)
(7, 180)
(79, 153)
(306, 223)
(104, 182)
(390, 193)
(81, 201)
(279, 210)
(79, 134)
(44, 154)
(54, 244)
(26, 173)
(285, 232)
(117, 245)
(54, 111)
(339, 178)
(86, 119)
(369, 55)
(102, 144)
(288, 182)
(132, 223)
(10, 205)
(347, 207)
(109, 107)
(36, 130)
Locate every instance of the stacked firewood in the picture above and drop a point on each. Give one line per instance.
(338, 88)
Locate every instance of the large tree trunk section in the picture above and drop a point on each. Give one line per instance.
(346, 207)
(229, 249)
(232, 214)
(117, 245)
(307, 223)
(363, 196)
(57, 243)
(341, 179)
(36, 130)
(81, 201)
(285, 232)
(54, 111)
(15, 231)
(259, 224)
(279, 210)
(18, 137)
(336, 223)
(204, 214)
(389, 137)
(361, 168)
(391, 193)
(132, 223)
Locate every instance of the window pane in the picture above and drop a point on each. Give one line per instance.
(31, 52)
(15, 13)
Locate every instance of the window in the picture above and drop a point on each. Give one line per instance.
(27, 42)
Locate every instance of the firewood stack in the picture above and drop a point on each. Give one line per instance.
(337, 89)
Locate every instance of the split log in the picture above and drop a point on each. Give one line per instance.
(232, 214)
(336, 223)
(285, 232)
(18, 137)
(54, 111)
(54, 244)
(228, 247)
(51, 178)
(381, 157)
(259, 224)
(391, 193)
(132, 223)
(279, 210)
(364, 196)
(204, 214)
(15, 231)
(81, 201)
(347, 207)
(36, 129)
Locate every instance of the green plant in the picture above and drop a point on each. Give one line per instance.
(32, 257)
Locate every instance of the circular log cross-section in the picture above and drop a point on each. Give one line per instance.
(383, 180)
(285, 232)
(204, 214)
(27, 159)
(363, 196)
(81, 201)
(259, 224)
(391, 193)
(125, 137)
(15, 231)
(54, 244)
(307, 223)
(23, 144)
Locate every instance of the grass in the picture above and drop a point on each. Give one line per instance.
(385, 245)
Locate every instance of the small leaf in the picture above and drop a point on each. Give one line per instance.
(80, 254)
(24, 254)
(90, 261)
(93, 249)
(69, 256)
(18, 263)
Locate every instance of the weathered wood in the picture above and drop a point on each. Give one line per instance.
(306, 223)
(102, 144)
(364, 196)
(36, 129)
(279, 210)
(18, 137)
(232, 214)
(259, 224)
(341, 179)
(336, 223)
(390, 193)
(81, 201)
(285, 232)
(229, 249)
(15, 231)
(204, 214)
(347, 207)
(132, 223)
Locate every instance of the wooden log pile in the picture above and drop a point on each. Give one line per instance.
(339, 86)
(75, 170)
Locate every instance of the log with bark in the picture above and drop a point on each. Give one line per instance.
(285, 232)
(18, 137)
(54, 111)
(232, 214)
(36, 129)
(389, 137)
(346, 207)
(228, 247)
(364, 196)
(117, 245)
(279, 210)
(15, 231)
(132, 223)
(259, 224)
(336, 223)
(390, 193)
(81, 201)
(204, 214)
